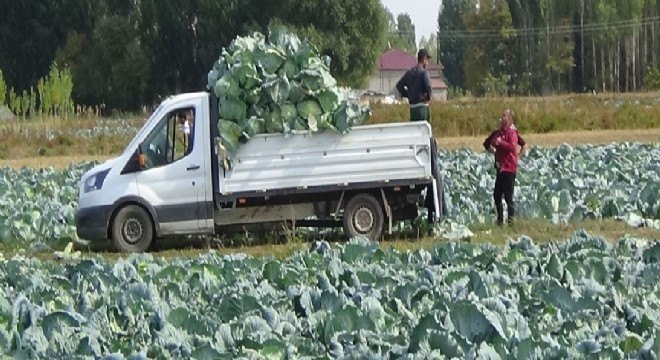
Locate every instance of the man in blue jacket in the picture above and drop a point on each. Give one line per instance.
(415, 85)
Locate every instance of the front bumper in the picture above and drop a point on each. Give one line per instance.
(92, 223)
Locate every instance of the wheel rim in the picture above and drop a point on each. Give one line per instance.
(132, 230)
(363, 220)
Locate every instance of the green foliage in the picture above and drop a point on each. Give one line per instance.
(38, 206)
(126, 54)
(401, 33)
(33, 102)
(3, 89)
(25, 104)
(430, 44)
(652, 79)
(495, 86)
(489, 63)
(454, 92)
(578, 298)
(54, 96)
(15, 102)
(115, 69)
(560, 45)
(452, 45)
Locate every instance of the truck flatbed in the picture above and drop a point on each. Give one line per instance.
(372, 154)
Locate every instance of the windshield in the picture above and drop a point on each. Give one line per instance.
(145, 128)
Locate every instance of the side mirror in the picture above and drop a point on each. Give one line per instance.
(142, 160)
(137, 162)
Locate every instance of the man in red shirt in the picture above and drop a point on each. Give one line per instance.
(505, 142)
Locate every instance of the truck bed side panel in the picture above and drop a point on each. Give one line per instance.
(373, 153)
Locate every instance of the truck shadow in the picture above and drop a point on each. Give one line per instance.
(234, 241)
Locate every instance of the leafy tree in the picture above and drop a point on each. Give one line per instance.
(115, 68)
(452, 41)
(652, 79)
(3, 89)
(405, 33)
(430, 44)
(32, 31)
(401, 33)
(491, 58)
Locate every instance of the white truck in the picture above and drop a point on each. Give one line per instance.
(170, 183)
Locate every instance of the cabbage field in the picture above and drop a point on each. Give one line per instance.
(563, 184)
(580, 299)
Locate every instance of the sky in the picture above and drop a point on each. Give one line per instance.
(424, 14)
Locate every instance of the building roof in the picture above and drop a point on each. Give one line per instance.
(437, 83)
(400, 60)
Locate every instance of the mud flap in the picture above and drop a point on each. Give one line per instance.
(435, 194)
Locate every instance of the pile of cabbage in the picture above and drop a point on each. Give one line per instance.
(277, 85)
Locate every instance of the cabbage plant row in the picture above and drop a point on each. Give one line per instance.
(561, 184)
(564, 184)
(38, 206)
(101, 128)
(579, 299)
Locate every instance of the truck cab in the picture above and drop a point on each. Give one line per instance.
(170, 181)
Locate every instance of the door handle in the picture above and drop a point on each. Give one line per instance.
(192, 167)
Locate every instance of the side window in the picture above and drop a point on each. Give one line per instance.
(171, 140)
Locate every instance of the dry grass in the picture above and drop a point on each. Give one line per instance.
(535, 115)
(598, 137)
(540, 231)
(51, 137)
(48, 161)
(474, 143)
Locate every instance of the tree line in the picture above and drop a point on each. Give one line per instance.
(129, 53)
(529, 47)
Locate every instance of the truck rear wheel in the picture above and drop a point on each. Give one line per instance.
(363, 217)
(132, 229)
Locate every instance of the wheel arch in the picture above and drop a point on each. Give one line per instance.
(137, 201)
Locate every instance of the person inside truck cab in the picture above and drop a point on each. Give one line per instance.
(190, 118)
(415, 85)
(185, 128)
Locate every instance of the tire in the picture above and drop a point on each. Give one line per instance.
(132, 230)
(363, 217)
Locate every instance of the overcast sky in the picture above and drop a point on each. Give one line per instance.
(424, 14)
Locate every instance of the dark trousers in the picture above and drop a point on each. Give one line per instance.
(420, 113)
(504, 185)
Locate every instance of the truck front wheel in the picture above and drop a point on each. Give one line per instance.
(132, 229)
(363, 217)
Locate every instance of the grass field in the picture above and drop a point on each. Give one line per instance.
(540, 115)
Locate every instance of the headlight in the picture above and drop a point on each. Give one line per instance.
(95, 182)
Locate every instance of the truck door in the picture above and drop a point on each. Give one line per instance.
(174, 179)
